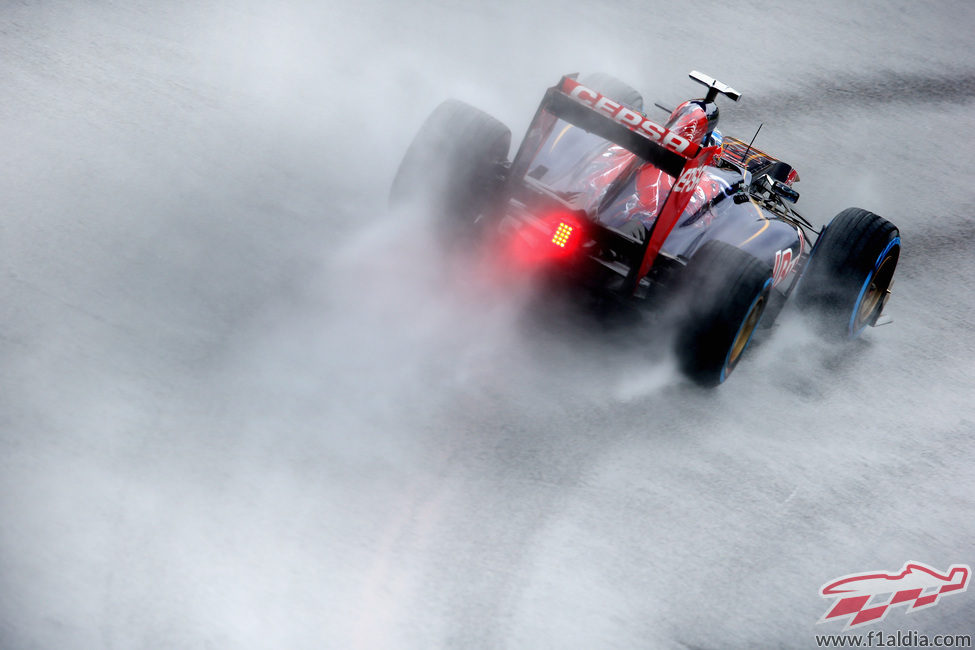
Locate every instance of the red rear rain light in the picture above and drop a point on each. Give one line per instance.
(547, 239)
(562, 234)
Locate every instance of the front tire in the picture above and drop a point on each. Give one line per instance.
(726, 291)
(850, 271)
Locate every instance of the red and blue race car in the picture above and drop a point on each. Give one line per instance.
(639, 210)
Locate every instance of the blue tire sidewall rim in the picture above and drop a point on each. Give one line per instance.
(896, 241)
(727, 359)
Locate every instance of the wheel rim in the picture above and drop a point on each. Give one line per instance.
(872, 297)
(745, 331)
(875, 287)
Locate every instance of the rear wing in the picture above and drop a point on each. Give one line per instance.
(595, 113)
(591, 111)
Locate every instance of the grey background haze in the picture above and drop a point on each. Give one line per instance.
(241, 407)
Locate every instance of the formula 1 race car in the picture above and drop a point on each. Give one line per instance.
(638, 210)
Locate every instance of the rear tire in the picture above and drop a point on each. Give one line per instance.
(726, 291)
(850, 271)
(453, 166)
(613, 88)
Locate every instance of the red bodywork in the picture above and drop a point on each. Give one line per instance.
(656, 187)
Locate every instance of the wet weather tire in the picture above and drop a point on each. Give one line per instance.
(614, 89)
(847, 280)
(725, 292)
(453, 166)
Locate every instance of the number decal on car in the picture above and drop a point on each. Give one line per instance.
(784, 263)
(689, 179)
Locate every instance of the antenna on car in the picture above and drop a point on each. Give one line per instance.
(749, 148)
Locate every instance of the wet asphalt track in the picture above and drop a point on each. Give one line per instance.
(241, 407)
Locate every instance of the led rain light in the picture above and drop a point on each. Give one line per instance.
(562, 234)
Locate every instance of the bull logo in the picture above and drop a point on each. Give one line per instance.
(866, 597)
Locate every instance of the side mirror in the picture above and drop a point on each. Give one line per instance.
(785, 192)
(765, 183)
